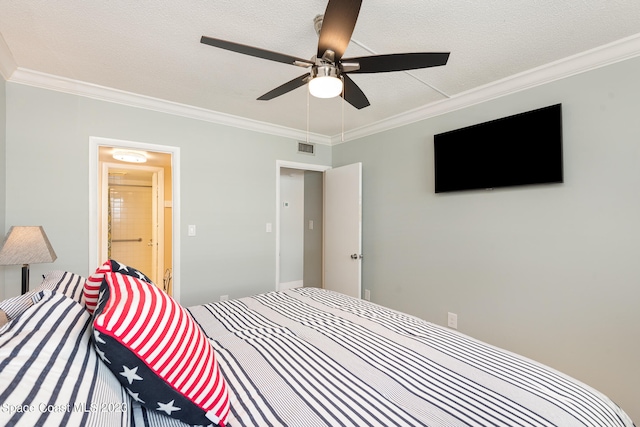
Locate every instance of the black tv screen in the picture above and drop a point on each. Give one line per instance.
(522, 149)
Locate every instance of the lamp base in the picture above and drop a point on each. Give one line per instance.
(25, 278)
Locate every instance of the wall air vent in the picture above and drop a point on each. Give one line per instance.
(305, 148)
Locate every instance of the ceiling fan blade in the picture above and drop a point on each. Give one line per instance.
(337, 26)
(287, 87)
(398, 62)
(254, 51)
(353, 94)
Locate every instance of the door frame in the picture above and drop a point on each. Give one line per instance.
(289, 165)
(94, 227)
(158, 212)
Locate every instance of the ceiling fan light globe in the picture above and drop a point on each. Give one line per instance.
(325, 87)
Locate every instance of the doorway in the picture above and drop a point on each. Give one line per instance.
(299, 222)
(134, 209)
(133, 218)
(341, 255)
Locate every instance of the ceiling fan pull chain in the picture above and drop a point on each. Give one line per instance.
(343, 101)
(307, 117)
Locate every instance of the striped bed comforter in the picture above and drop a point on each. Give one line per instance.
(309, 357)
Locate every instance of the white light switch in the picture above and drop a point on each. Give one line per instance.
(191, 231)
(310, 224)
(269, 228)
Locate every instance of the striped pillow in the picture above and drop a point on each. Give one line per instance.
(158, 352)
(93, 283)
(63, 282)
(50, 374)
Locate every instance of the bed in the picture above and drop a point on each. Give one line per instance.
(301, 357)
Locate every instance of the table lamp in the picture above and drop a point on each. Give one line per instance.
(26, 245)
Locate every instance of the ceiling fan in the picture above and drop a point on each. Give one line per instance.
(328, 74)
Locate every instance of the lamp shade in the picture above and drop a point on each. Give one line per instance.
(26, 245)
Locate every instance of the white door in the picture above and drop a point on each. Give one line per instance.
(343, 229)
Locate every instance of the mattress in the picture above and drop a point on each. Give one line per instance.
(310, 357)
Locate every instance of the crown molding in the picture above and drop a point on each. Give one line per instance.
(7, 63)
(102, 93)
(608, 54)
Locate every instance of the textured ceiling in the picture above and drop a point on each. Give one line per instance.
(152, 48)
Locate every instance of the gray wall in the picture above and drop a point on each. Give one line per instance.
(551, 272)
(3, 132)
(227, 187)
(313, 185)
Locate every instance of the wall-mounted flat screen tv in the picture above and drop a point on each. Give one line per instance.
(522, 149)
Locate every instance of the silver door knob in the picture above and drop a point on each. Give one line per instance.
(356, 256)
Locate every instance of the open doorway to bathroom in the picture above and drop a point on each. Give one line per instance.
(135, 211)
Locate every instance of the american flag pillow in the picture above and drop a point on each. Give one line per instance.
(93, 282)
(158, 352)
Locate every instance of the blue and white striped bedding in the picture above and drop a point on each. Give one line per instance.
(50, 374)
(308, 357)
(303, 357)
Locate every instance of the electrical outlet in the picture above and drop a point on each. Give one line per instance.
(224, 297)
(367, 294)
(452, 320)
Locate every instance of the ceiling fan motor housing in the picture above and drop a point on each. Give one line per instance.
(325, 70)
